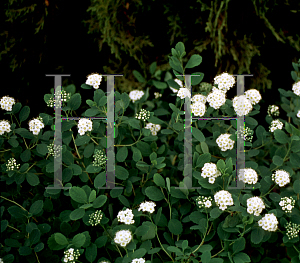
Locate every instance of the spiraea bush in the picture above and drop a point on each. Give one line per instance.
(149, 219)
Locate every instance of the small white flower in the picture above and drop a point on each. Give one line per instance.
(269, 222)
(7, 102)
(276, 124)
(273, 110)
(147, 206)
(296, 88)
(126, 216)
(135, 95)
(248, 175)
(241, 105)
(198, 109)
(298, 114)
(210, 170)
(224, 81)
(138, 260)
(94, 80)
(255, 204)
(281, 177)
(287, 204)
(223, 199)
(224, 142)
(71, 255)
(216, 98)
(4, 127)
(184, 92)
(143, 115)
(204, 201)
(292, 230)
(179, 82)
(199, 98)
(253, 95)
(12, 164)
(157, 95)
(154, 128)
(84, 125)
(123, 237)
(245, 133)
(35, 125)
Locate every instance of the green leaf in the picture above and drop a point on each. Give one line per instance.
(295, 159)
(34, 236)
(142, 230)
(76, 169)
(198, 135)
(159, 84)
(205, 257)
(17, 212)
(138, 76)
(100, 180)
(13, 142)
(175, 226)
(195, 60)
(32, 179)
(295, 146)
(158, 215)
(101, 241)
(42, 149)
(77, 214)
(88, 150)
(36, 207)
(75, 101)
(202, 159)
(25, 156)
(154, 193)
(122, 154)
(159, 180)
(78, 194)
(281, 136)
(121, 172)
(91, 112)
(241, 258)
(61, 239)
(144, 167)
(296, 186)
(277, 160)
(239, 245)
(180, 48)
(99, 201)
(153, 67)
(151, 233)
(92, 196)
(24, 113)
(221, 165)
(78, 240)
(257, 235)
(91, 253)
(250, 121)
(195, 80)
(215, 212)
(25, 251)
(204, 147)
(39, 247)
(85, 86)
(139, 253)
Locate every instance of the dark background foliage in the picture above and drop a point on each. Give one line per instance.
(52, 37)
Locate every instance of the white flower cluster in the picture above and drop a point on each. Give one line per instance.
(126, 216)
(216, 98)
(138, 260)
(99, 158)
(255, 205)
(94, 80)
(153, 127)
(135, 95)
(241, 105)
(292, 230)
(147, 206)
(253, 95)
(6, 103)
(71, 255)
(248, 175)
(296, 88)
(35, 125)
(204, 201)
(199, 98)
(298, 114)
(4, 127)
(104, 262)
(84, 125)
(281, 177)
(157, 95)
(210, 170)
(184, 92)
(198, 107)
(269, 222)
(224, 81)
(224, 142)
(64, 97)
(54, 150)
(276, 124)
(143, 115)
(123, 237)
(223, 199)
(245, 133)
(1, 260)
(12, 164)
(95, 217)
(287, 204)
(273, 110)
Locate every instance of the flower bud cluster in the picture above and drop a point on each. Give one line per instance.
(84, 125)
(135, 95)
(138, 260)
(123, 237)
(276, 124)
(210, 170)
(157, 95)
(71, 255)
(287, 204)
(273, 110)
(248, 176)
(35, 125)
(255, 205)
(269, 222)
(99, 158)
(153, 127)
(94, 80)
(7, 102)
(4, 127)
(224, 142)
(95, 218)
(205, 87)
(204, 201)
(224, 81)
(147, 206)
(54, 150)
(12, 164)
(223, 199)
(126, 216)
(246, 134)
(143, 115)
(292, 230)
(296, 88)
(281, 177)
(65, 97)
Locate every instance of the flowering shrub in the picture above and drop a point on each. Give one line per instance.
(151, 215)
